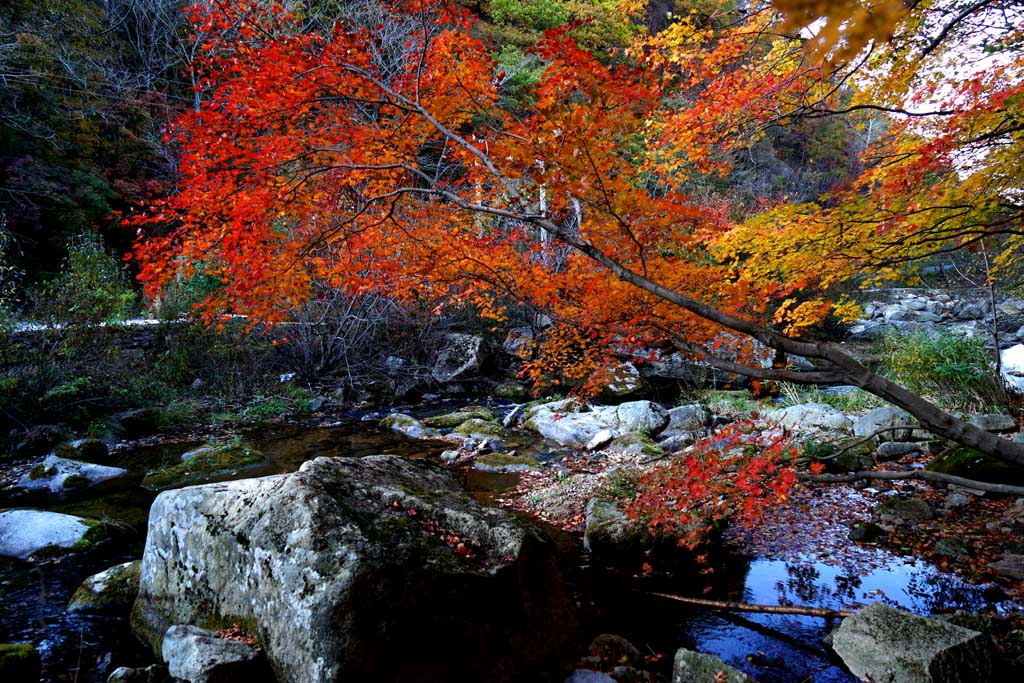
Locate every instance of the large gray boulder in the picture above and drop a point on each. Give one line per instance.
(460, 356)
(688, 418)
(356, 569)
(697, 667)
(200, 656)
(28, 533)
(881, 643)
(60, 477)
(812, 417)
(643, 417)
(880, 418)
(570, 423)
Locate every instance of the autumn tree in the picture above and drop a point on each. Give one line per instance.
(310, 163)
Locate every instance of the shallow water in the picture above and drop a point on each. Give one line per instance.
(772, 648)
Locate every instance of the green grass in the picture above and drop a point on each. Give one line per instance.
(954, 371)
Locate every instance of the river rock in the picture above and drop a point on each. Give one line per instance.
(615, 540)
(891, 450)
(972, 464)
(89, 450)
(1010, 566)
(565, 422)
(19, 662)
(812, 417)
(881, 643)
(155, 673)
(200, 656)
(206, 463)
(24, 533)
(643, 417)
(341, 566)
(459, 356)
(688, 418)
(452, 420)
(409, 426)
(906, 508)
(672, 441)
(600, 440)
(615, 649)
(994, 422)
(61, 477)
(697, 667)
(570, 423)
(879, 418)
(112, 590)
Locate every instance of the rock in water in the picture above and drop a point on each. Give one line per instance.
(24, 533)
(697, 667)
(199, 656)
(356, 569)
(111, 590)
(61, 476)
(881, 643)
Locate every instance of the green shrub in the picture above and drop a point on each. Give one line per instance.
(535, 14)
(955, 371)
(179, 299)
(91, 287)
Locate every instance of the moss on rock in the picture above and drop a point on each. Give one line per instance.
(636, 444)
(459, 416)
(480, 426)
(497, 460)
(972, 464)
(19, 662)
(220, 460)
(111, 590)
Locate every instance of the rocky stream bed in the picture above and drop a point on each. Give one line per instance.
(445, 589)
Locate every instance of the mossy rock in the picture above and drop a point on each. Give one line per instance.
(459, 416)
(502, 462)
(19, 662)
(907, 508)
(92, 450)
(857, 458)
(111, 590)
(41, 471)
(973, 464)
(482, 427)
(512, 391)
(636, 444)
(207, 463)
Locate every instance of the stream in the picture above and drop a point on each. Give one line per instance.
(772, 648)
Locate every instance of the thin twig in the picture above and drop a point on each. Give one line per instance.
(732, 606)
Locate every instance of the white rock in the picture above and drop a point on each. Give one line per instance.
(53, 474)
(25, 532)
(812, 416)
(602, 438)
(199, 656)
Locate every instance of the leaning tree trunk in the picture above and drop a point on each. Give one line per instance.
(839, 367)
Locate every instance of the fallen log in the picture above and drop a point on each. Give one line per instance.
(922, 475)
(732, 606)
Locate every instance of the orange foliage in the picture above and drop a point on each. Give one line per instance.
(736, 474)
